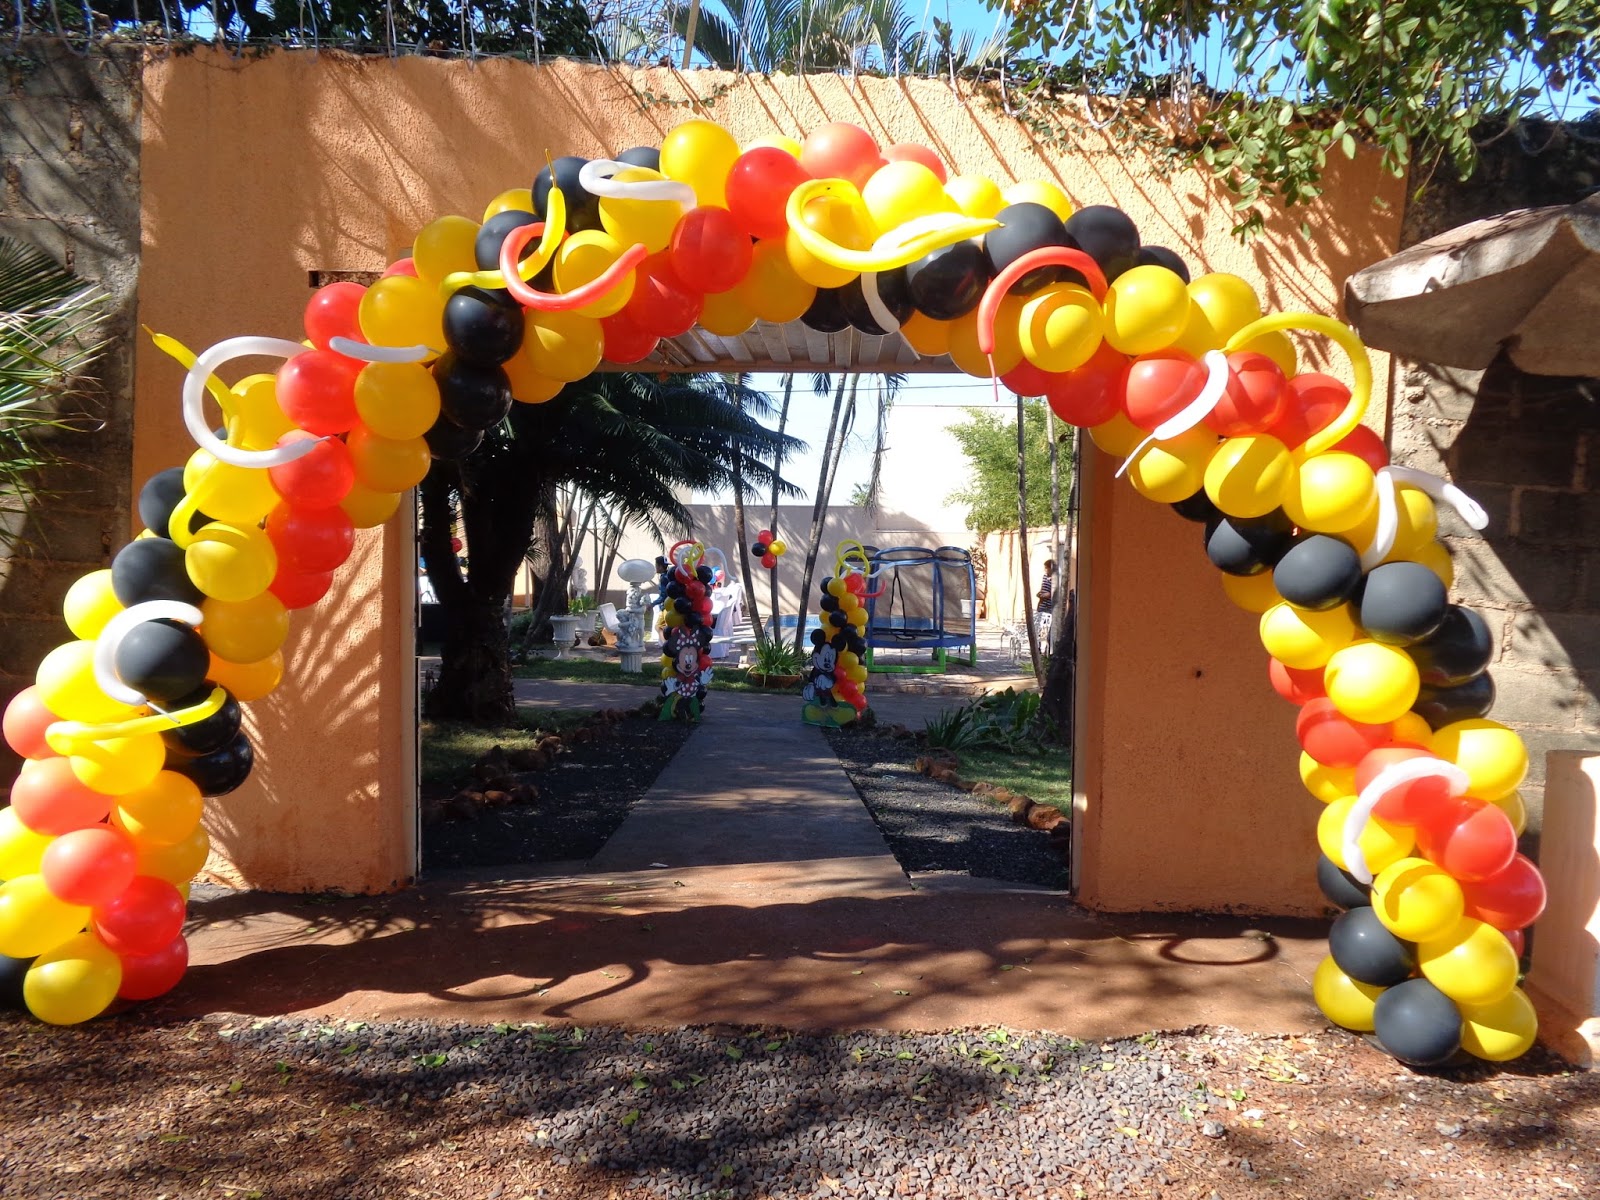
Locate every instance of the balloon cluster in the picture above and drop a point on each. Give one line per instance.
(686, 582)
(768, 549)
(836, 678)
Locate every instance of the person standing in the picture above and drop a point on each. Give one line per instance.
(1047, 589)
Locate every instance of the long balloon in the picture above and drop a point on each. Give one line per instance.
(1360, 366)
(941, 230)
(194, 393)
(596, 289)
(1044, 256)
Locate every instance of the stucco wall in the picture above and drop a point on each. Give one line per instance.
(258, 172)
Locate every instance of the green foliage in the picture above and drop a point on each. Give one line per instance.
(1007, 721)
(989, 441)
(775, 658)
(450, 748)
(1044, 778)
(1264, 92)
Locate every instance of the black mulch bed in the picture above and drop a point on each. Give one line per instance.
(932, 826)
(583, 797)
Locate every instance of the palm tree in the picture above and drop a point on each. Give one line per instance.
(628, 442)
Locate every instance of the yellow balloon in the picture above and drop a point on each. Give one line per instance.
(179, 862)
(1173, 470)
(32, 920)
(224, 492)
(1371, 682)
(1278, 348)
(231, 562)
(1472, 963)
(1326, 783)
(387, 464)
(1515, 809)
(650, 222)
(72, 982)
(528, 385)
(1344, 1001)
(21, 849)
(812, 270)
(1437, 559)
(778, 142)
(929, 338)
(964, 350)
(1494, 758)
(1417, 521)
(90, 603)
(772, 290)
(1302, 639)
(118, 765)
(67, 687)
(244, 631)
(162, 813)
(1061, 327)
(975, 195)
(1381, 842)
(261, 422)
(1198, 336)
(1038, 191)
(1253, 593)
(1501, 1031)
(563, 345)
(397, 400)
(444, 247)
(726, 314)
(1416, 900)
(583, 258)
(1227, 302)
(899, 192)
(368, 509)
(402, 310)
(1117, 437)
(1411, 729)
(700, 153)
(510, 200)
(1330, 493)
(247, 681)
(1246, 475)
(1146, 309)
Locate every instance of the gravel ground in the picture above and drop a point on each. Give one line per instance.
(932, 826)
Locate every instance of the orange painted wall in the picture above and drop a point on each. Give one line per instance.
(256, 172)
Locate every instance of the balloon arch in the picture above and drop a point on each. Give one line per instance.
(132, 724)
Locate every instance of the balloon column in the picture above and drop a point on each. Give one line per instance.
(768, 549)
(836, 679)
(686, 582)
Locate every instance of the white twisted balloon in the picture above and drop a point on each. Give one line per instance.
(194, 394)
(1384, 782)
(110, 640)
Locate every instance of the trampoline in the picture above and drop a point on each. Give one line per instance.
(920, 597)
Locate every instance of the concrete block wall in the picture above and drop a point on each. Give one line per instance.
(69, 184)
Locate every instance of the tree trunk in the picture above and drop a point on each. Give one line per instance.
(819, 515)
(1058, 699)
(777, 469)
(475, 674)
(1022, 541)
(741, 531)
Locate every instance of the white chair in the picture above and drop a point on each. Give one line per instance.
(608, 619)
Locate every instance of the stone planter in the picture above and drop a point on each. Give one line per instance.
(777, 683)
(564, 630)
(585, 621)
(632, 662)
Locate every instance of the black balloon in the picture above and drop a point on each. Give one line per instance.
(207, 735)
(1160, 256)
(1441, 706)
(1365, 949)
(583, 208)
(152, 569)
(1319, 572)
(1107, 235)
(1023, 229)
(448, 441)
(483, 327)
(162, 659)
(217, 773)
(12, 972)
(471, 395)
(704, 574)
(892, 291)
(160, 494)
(1341, 887)
(1248, 545)
(826, 314)
(1402, 603)
(1417, 1023)
(948, 283)
(1458, 651)
(648, 157)
(493, 235)
(1197, 508)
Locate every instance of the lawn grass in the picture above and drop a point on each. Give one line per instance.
(589, 670)
(449, 748)
(1043, 778)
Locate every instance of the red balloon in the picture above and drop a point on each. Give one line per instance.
(764, 535)
(1410, 803)
(662, 304)
(319, 479)
(855, 584)
(769, 560)
(310, 540)
(333, 312)
(1159, 385)
(25, 723)
(1295, 685)
(1473, 840)
(1518, 940)
(709, 247)
(1367, 446)
(316, 390)
(48, 798)
(300, 589)
(402, 266)
(1256, 396)
(841, 151)
(146, 976)
(1314, 401)
(1511, 899)
(625, 341)
(758, 190)
(1332, 738)
(1092, 394)
(695, 590)
(911, 152)
(1025, 379)
(90, 866)
(143, 918)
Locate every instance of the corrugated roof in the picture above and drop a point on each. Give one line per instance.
(790, 347)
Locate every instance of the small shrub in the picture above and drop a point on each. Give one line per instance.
(1009, 721)
(775, 657)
